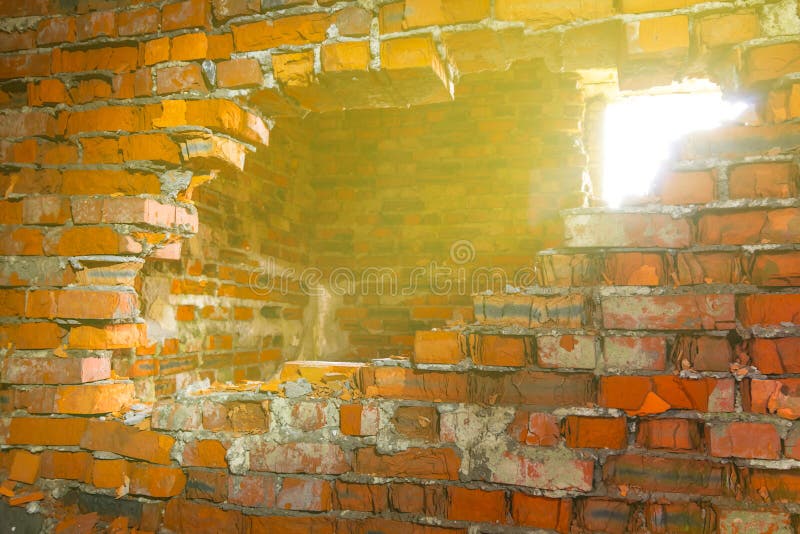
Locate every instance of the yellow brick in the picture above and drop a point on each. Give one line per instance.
(663, 34)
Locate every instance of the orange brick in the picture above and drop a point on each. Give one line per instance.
(204, 453)
(772, 61)
(117, 336)
(506, 351)
(466, 504)
(241, 72)
(49, 91)
(438, 347)
(596, 432)
(31, 335)
(109, 473)
(727, 29)
(189, 46)
(112, 436)
(743, 440)
(46, 431)
(21, 242)
(96, 398)
(24, 467)
(155, 50)
(688, 187)
(541, 512)
(81, 304)
(658, 35)
(83, 240)
(67, 465)
(155, 480)
(347, 56)
(292, 30)
(443, 12)
(95, 24)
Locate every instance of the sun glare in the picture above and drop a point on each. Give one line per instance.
(639, 130)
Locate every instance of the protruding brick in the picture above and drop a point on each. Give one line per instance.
(504, 351)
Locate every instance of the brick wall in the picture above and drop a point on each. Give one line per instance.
(442, 190)
(646, 383)
(212, 314)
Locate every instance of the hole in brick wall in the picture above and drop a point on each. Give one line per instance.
(639, 131)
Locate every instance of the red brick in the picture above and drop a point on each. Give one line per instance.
(670, 434)
(11, 41)
(776, 269)
(541, 512)
(539, 429)
(139, 21)
(408, 384)
(112, 436)
(635, 269)
(313, 495)
(749, 227)
(743, 440)
(95, 24)
(669, 312)
(295, 524)
(773, 396)
(442, 463)
(439, 347)
(21, 242)
(359, 419)
(567, 351)
(604, 515)
(211, 485)
(777, 486)
(155, 480)
(503, 351)
(763, 180)
(205, 453)
(179, 79)
(362, 497)
(562, 471)
(313, 458)
(687, 187)
(241, 72)
(255, 491)
(67, 465)
(769, 310)
(202, 518)
(187, 14)
(702, 353)
(775, 355)
(595, 432)
(56, 30)
(464, 504)
(407, 498)
(22, 65)
(533, 388)
(640, 395)
(46, 431)
(791, 445)
(672, 475)
(627, 230)
(55, 370)
(696, 268)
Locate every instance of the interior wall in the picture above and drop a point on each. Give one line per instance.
(230, 308)
(442, 190)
